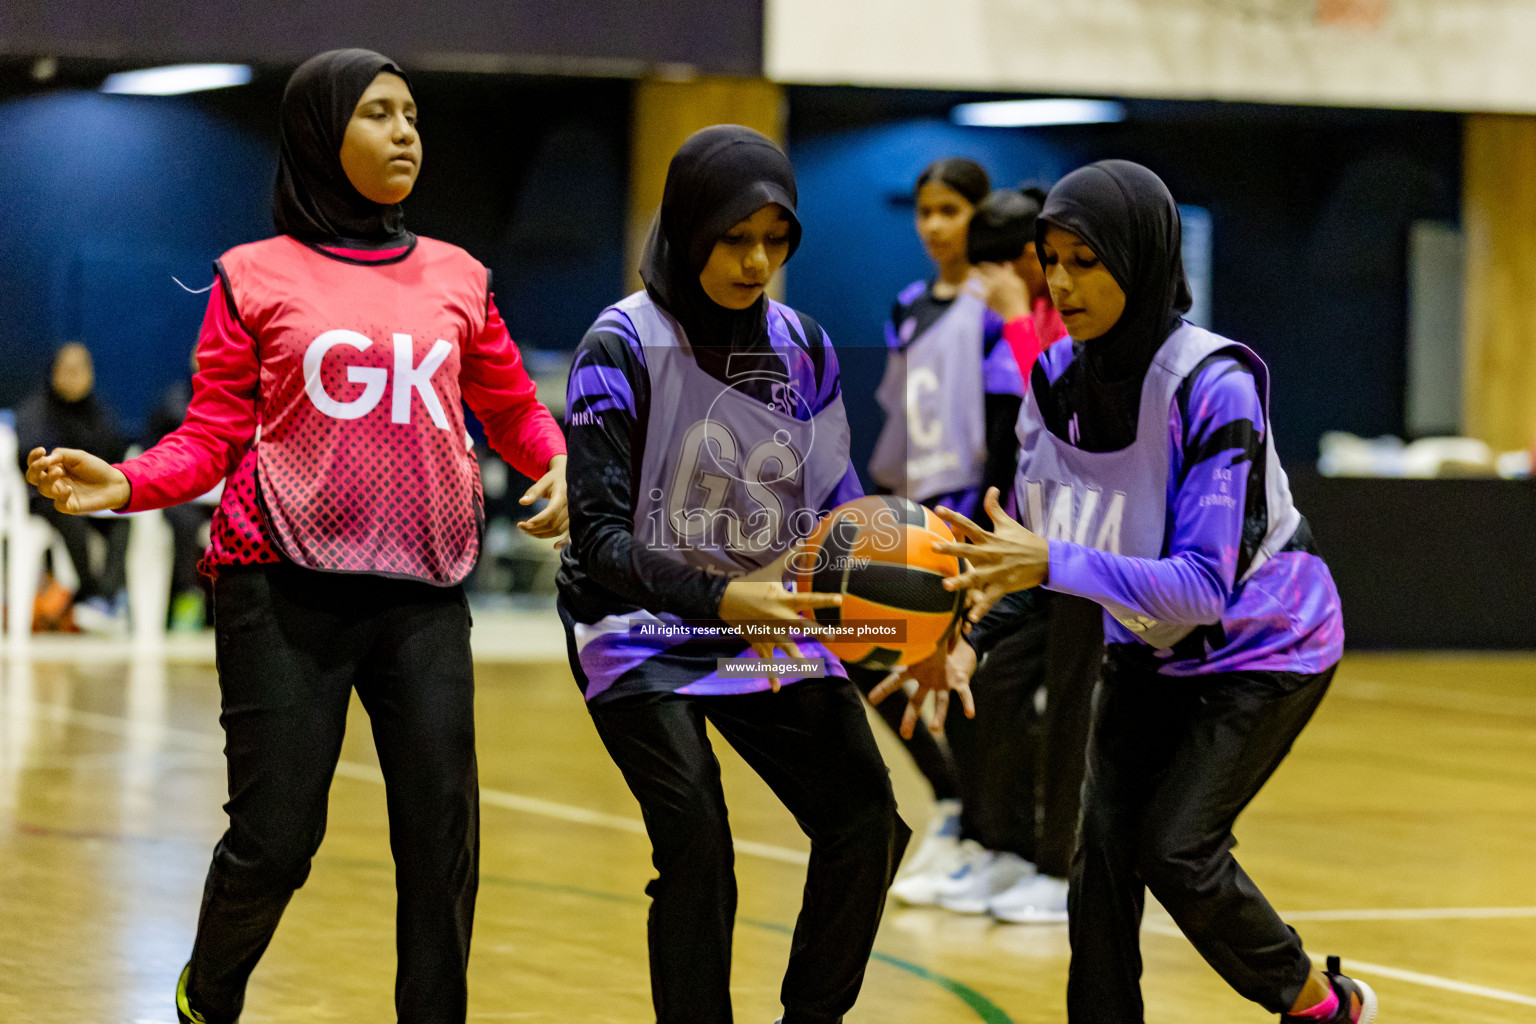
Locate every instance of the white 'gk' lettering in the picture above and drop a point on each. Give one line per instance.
(409, 376)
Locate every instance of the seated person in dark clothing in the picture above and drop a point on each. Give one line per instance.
(189, 610)
(65, 413)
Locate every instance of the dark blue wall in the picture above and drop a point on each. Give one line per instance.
(104, 198)
(1311, 209)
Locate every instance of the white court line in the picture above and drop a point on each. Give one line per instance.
(370, 773)
(584, 816)
(579, 815)
(1438, 700)
(1412, 914)
(1369, 971)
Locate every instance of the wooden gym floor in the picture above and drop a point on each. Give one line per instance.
(1401, 833)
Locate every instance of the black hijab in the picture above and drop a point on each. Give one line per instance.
(719, 177)
(313, 200)
(1128, 218)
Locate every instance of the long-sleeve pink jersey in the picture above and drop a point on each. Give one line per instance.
(216, 441)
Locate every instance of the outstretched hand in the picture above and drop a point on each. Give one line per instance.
(554, 518)
(1007, 559)
(77, 482)
(947, 670)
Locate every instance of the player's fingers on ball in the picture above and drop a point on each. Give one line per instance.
(969, 526)
(969, 552)
(963, 581)
(959, 524)
(967, 701)
(940, 711)
(909, 717)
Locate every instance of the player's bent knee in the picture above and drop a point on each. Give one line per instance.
(1169, 870)
(696, 842)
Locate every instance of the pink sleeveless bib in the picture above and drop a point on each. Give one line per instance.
(361, 459)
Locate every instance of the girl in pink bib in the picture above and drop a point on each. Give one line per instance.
(334, 363)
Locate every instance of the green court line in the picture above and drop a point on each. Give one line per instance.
(986, 1009)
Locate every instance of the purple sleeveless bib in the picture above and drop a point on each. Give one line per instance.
(1118, 501)
(934, 440)
(727, 482)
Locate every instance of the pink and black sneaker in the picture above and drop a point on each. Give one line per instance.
(1356, 1001)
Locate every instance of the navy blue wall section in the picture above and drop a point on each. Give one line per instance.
(1311, 209)
(532, 178)
(106, 198)
(859, 247)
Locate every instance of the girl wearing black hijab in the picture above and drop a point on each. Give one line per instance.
(707, 434)
(1149, 483)
(950, 393)
(348, 523)
(67, 412)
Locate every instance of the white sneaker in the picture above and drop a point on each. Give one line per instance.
(933, 859)
(98, 615)
(970, 887)
(1038, 900)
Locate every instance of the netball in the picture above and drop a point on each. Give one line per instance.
(878, 553)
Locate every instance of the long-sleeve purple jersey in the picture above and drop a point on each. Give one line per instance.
(605, 570)
(1284, 617)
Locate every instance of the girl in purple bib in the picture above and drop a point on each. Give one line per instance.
(707, 435)
(1149, 483)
